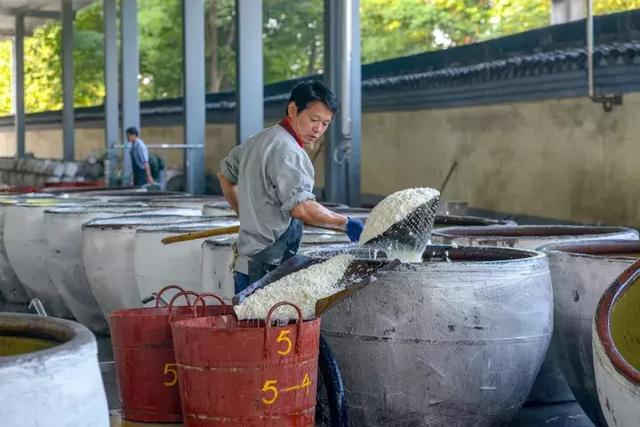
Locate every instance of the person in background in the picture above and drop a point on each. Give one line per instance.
(139, 159)
(269, 180)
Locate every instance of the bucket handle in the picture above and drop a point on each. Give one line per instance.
(201, 298)
(267, 328)
(166, 288)
(178, 295)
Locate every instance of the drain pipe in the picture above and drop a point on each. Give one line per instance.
(345, 72)
(607, 101)
(334, 386)
(590, 48)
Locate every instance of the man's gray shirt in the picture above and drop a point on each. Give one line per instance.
(273, 175)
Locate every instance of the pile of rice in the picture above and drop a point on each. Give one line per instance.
(394, 208)
(303, 288)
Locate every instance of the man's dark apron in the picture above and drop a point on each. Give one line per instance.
(278, 252)
(139, 175)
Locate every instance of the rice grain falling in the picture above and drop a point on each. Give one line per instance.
(303, 288)
(394, 208)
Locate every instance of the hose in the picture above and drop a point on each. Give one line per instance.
(332, 380)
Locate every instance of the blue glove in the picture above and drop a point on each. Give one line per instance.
(354, 229)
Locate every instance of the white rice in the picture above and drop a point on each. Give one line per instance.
(303, 288)
(395, 208)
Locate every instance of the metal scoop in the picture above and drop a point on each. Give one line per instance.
(412, 232)
(358, 275)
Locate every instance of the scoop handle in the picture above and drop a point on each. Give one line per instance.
(220, 231)
(213, 232)
(324, 304)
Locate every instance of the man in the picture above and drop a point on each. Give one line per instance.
(269, 179)
(139, 159)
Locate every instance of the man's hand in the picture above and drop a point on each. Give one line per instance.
(354, 229)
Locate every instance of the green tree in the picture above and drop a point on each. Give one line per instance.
(392, 28)
(219, 46)
(507, 17)
(5, 77)
(603, 7)
(293, 39)
(292, 35)
(160, 38)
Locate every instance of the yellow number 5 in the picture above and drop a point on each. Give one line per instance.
(284, 337)
(270, 386)
(170, 368)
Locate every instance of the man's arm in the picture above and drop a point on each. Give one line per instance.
(313, 213)
(228, 176)
(230, 192)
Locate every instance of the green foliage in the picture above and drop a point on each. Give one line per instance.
(88, 56)
(42, 70)
(293, 38)
(5, 79)
(507, 16)
(602, 7)
(160, 38)
(220, 52)
(292, 34)
(392, 28)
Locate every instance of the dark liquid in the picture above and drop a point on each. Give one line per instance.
(13, 346)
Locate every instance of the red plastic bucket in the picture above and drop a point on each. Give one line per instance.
(145, 364)
(247, 373)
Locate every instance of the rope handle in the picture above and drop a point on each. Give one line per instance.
(267, 329)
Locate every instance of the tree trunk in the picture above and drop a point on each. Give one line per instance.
(312, 58)
(228, 44)
(214, 78)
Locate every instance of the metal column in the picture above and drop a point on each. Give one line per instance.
(249, 80)
(343, 75)
(18, 85)
(194, 93)
(68, 137)
(130, 69)
(111, 130)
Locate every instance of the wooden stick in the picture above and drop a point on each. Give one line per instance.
(220, 231)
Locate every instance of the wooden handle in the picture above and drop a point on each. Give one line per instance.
(220, 231)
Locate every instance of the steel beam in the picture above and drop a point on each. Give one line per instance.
(249, 70)
(68, 137)
(194, 93)
(30, 13)
(111, 129)
(130, 70)
(18, 86)
(343, 75)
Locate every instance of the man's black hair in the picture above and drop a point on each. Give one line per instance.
(307, 92)
(132, 131)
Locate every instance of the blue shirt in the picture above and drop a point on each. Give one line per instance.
(139, 153)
